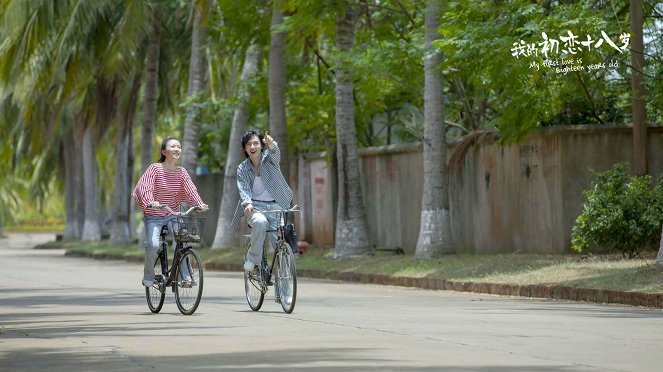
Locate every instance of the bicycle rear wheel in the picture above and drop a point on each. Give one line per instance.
(189, 285)
(156, 294)
(286, 278)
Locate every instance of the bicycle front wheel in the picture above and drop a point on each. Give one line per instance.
(155, 294)
(189, 285)
(254, 286)
(286, 278)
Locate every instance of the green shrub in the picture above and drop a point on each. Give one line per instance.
(620, 212)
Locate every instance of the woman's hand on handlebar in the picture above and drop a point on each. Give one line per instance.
(198, 208)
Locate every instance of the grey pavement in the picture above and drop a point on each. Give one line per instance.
(62, 313)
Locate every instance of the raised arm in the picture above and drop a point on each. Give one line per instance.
(274, 153)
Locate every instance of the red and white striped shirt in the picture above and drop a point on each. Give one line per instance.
(169, 188)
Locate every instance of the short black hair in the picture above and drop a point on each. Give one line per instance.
(248, 135)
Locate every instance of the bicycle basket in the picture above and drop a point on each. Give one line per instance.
(188, 229)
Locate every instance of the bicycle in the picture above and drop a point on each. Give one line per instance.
(188, 289)
(258, 281)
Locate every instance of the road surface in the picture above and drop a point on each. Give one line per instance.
(76, 314)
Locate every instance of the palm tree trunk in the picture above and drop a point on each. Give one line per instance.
(69, 155)
(151, 91)
(91, 228)
(196, 73)
(78, 174)
(638, 88)
(224, 237)
(120, 233)
(351, 238)
(277, 82)
(659, 256)
(434, 232)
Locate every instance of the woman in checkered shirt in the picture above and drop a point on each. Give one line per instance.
(262, 187)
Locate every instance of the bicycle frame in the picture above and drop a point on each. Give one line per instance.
(185, 276)
(172, 272)
(266, 278)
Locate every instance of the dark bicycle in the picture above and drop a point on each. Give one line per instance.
(185, 276)
(282, 266)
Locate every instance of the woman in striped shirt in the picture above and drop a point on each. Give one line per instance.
(163, 183)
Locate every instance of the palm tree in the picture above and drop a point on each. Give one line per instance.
(72, 171)
(91, 227)
(351, 226)
(638, 89)
(39, 64)
(76, 44)
(277, 83)
(151, 88)
(120, 233)
(224, 238)
(196, 76)
(434, 232)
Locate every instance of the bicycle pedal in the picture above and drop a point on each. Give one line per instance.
(159, 287)
(187, 284)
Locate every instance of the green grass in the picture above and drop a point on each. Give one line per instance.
(599, 272)
(34, 228)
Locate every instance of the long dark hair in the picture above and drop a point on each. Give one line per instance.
(164, 143)
(248, 135)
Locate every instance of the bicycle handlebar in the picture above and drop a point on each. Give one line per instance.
(163, 206)
(295, 208)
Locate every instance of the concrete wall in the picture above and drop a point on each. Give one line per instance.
(392, 184)
(522, 197)
(525, 197)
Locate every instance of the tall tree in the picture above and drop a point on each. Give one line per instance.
(120, 231)
(638, 89)
(91, 227)
(351, 238)
(224, 237)
(151, 88)
(196, 76)
(277, 84)
(75, 47)
(434, 232)
(72, 165)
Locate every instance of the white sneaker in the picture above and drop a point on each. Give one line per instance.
(249, 266)
(187, 283)
(148, 283)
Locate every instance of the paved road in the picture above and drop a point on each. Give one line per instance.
(76, 314)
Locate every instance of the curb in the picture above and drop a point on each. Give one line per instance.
(554, 292)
